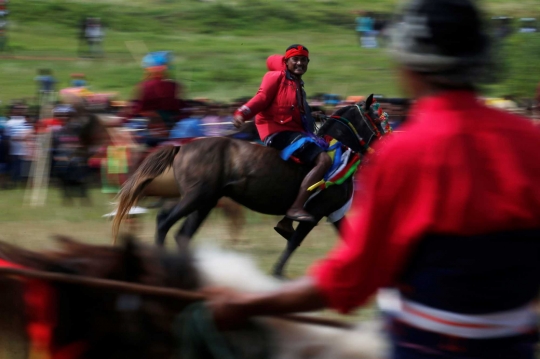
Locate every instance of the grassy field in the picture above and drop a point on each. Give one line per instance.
(34, 227)
(220, 47)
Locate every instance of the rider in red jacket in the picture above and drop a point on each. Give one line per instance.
(282, 116)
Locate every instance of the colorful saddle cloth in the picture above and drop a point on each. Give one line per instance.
(345, 162)
(345, 153)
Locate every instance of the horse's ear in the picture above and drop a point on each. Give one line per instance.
(70, 244)
(368, 103)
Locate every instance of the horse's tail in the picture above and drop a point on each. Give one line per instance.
(153, 166)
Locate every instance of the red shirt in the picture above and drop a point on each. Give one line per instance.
(49, 123)
(158, 95)
(275, 106)
(460, 168)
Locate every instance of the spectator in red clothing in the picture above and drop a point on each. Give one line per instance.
(61, 115)
(282, 116)
(158, 96)
(449, 213)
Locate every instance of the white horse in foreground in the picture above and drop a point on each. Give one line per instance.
(293, 340)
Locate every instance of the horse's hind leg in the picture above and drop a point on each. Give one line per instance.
(187, 204)
(294, 242)
(236, 218)
(192, 224)
(162, 215)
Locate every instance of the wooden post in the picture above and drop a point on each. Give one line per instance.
(38, 179)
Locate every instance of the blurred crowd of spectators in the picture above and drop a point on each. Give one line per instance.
(115, 144)
(373, 27)
(101, 150)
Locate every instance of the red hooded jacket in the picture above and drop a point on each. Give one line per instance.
(275, 106)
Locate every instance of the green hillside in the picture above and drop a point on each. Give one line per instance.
(220, 47)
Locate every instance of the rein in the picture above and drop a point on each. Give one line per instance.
(344, 121)
(142, 289)
(373, 127)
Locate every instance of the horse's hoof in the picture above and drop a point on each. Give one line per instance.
(284, 233)
(280, 276)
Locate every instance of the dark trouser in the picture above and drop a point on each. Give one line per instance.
(412, 343)
(308, 153)
(15, 166)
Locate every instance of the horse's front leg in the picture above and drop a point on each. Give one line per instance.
(294, 242)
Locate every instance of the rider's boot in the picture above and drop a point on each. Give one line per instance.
(297, 211)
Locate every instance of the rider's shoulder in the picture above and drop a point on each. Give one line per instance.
(274, 75)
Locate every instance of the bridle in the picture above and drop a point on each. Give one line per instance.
(370, 123)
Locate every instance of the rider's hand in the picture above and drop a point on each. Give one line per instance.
(317, 115)
(227, 307)
(238, 120)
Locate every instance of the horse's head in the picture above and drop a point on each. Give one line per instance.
(106, 323)
(366, 118)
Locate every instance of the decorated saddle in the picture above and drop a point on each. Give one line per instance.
(343, 144)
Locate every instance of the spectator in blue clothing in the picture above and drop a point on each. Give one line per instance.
(78, 80)
(4, 153)
(365, 28)
(45, 80)
(190, 127)
(18, 129)
(46, 85)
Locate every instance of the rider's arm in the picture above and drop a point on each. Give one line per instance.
(389, 215)
(377, 237)
(264, 97)
(231, 308)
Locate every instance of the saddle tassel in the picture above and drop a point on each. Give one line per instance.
(320, 183)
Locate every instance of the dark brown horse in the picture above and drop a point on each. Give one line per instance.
(255, 176)
(86, 322)
(87, 301)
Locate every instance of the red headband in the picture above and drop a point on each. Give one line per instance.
(296, 51)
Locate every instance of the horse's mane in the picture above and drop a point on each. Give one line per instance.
(341, 111)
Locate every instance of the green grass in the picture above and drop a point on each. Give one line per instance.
(34, 227)
(220, 47)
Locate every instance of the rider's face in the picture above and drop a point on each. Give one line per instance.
(297, 65)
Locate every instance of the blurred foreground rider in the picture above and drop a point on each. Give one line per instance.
(282, 116)
(449, 215)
